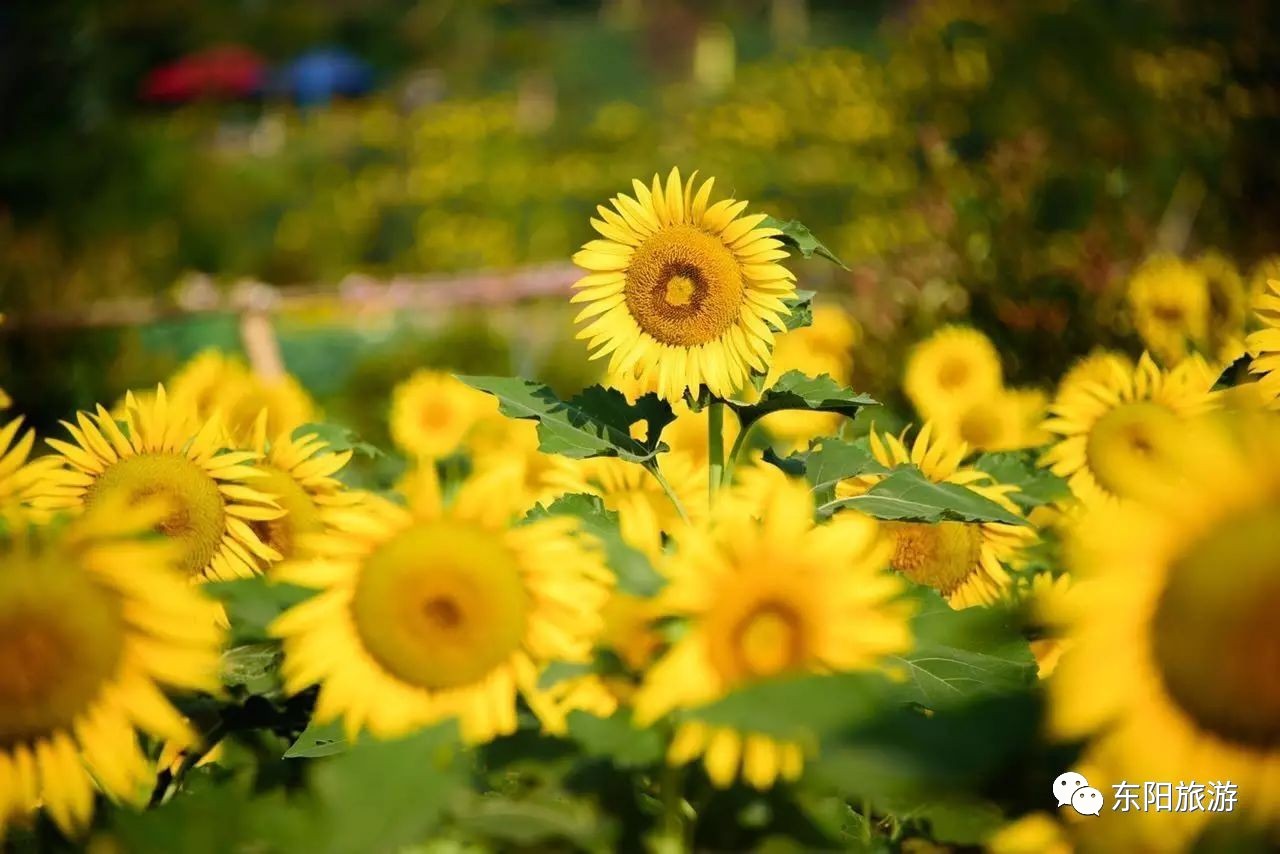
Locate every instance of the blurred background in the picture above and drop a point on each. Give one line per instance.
(351, 189)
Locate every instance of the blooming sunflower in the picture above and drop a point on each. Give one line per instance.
(1169, 299)
(1097, 367)
(163, 448)
(962, 561)
(1264, 345)
(433, 412)
(765, 597)
(298, 472)
(1175, 643)
(94, 622)
(1113, 433)
(423, 616)
(950, 369)
(212, 381)
(1228, 304)
(680, 291)
(1006, 420)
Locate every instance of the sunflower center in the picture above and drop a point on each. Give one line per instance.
(770, 641)
(301, 516)
(196, 518)
(437, 416)
(1168, 313)
(1215, 638)
(1127, 443)
(61, 637)
(441, 605)
(953, 373)
(941, 555)
(684, 287)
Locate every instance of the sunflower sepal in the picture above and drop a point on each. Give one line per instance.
(798, 236)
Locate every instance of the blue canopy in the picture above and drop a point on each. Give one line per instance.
(319, 76)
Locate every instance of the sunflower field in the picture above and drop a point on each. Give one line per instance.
(927, 502)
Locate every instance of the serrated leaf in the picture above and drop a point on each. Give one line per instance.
(801, 305)
(338, 439)
(1036, 485)
(795, 233)
(631, 566)
(254, 667)
(616, 739)
(906, 495)
(830, 461)
(318, 740)
(795, 391)
(252, 603)
(798, 707)
(960, 655)
(595, 423)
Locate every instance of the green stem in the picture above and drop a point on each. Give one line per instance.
(652, 468)
(673, 820)
(736, 451)
(715, 445)
(866, 821)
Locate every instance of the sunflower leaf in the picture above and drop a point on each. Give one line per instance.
(338, 439)
(801, 305)
(635, 574)
(1036, 485)
(800, 708)
(829, 461)
(595, 423)
(798, 235)
(252, 603)
(318, 740)
(794, 390)
(906, 495)
(616, 738)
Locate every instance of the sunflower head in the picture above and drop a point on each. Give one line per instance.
(1006, 420)
(682, 292)
(1169, 299)
(422, 617)
(433, 413)
(951, 368)
(94, 618)
(1099, 366)
(213, 382)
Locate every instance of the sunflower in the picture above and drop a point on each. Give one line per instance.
(298, 472)
(681, 292)
(962, 561)
(1264, 345)
(1005, 420)
(1113, 433)
(433, 413)
(21, 482)
(1169, 299)
(950, 369)
(214, 382)
(1228, 304)
(1264, 271)
(94, 623)
(645, 511)
(163, 448)
(1174, 662)
(765, 597)
(1097, 367)
(423, 616)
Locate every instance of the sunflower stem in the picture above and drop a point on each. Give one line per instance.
(673, 834)
(652, 468)
(715, 445)
(739, 443)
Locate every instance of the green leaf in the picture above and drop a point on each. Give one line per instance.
(794, 390)
(318, 740)
(960, 655)
(801, 305)
(252, 603)
(635, 574)
(799, 707)
(338, 439)
(255, 668)
(1036, 485)
(533, 820)
(616, 739)
(907, 495)
(796, 234)
(595, 423)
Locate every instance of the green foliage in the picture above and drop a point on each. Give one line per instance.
(338, 439)
(798, 707)
(797, 235)
(617, 739)
(795, 391)
(595, 423)
(1036, 485)
(318, 740)
(252, 603)
(827, 462)
(635, 574)
(801, 310)
(906, 495)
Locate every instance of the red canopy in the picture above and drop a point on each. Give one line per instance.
(221, 72)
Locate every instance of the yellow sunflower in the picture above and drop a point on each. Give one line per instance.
(962, 561)
(1264, 345)
(21, 482)
(1228, 305)
(1005, 420)
(682, 292)
(163, 448)
(1097, 367)
(433, 413)
(1169, 299)
(215, 382)
(94, 624)
(1113, 433)
(765, 597)
(950, 369)
(1175, 644)
(421, 617)
(298, 473)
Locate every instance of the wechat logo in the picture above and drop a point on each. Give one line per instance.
(1072, 789)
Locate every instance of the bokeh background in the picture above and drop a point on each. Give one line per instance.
(364, 188)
